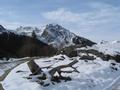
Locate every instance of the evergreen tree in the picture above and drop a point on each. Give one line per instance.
(34, 34)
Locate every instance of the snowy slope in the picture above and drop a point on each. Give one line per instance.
(9, 64)
(110, 47)
(94, 75)
(1, 72)
(107, 47)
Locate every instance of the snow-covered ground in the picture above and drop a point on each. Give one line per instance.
(1, 72)
(106, 47)
(94, 75)
(9, 64)
(110, 47)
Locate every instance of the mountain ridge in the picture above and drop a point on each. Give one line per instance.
(32, 41)
(54, 35)
(2, 28)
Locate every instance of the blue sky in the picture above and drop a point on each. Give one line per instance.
(94, 19)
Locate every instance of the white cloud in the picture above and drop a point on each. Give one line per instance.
(62, 15)
(102, 14)
(9, 25)
(95, 23)
(13, 25)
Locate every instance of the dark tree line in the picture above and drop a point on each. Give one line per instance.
(13, 45)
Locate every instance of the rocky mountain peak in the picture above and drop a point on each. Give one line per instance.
(58, 36)
(54, 26)
(54, 35)
(2, 28)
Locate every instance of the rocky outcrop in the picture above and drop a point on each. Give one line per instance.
(40, 76)
(83, 42)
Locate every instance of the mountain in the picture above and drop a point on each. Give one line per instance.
(18, 45)
(2, 29)
(59, 37)
(28, 30)
(55, 35)
(31, 41)
(80, 65)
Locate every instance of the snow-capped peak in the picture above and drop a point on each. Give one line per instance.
(2, 28)
(56, 35)
(116, 41)
(28, 30)
(54, 26)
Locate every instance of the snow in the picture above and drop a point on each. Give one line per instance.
(28, 31)
(12, 60)
(20, 82)
(1, 72)
(94, 75)
(111, 48)
(9, 64)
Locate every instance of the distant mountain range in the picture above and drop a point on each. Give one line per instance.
(55, 35)
(32, 41)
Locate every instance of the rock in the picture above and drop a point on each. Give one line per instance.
(83, 42)
(34, 68)
(116, 58)
(84, 57)
(73, 54)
